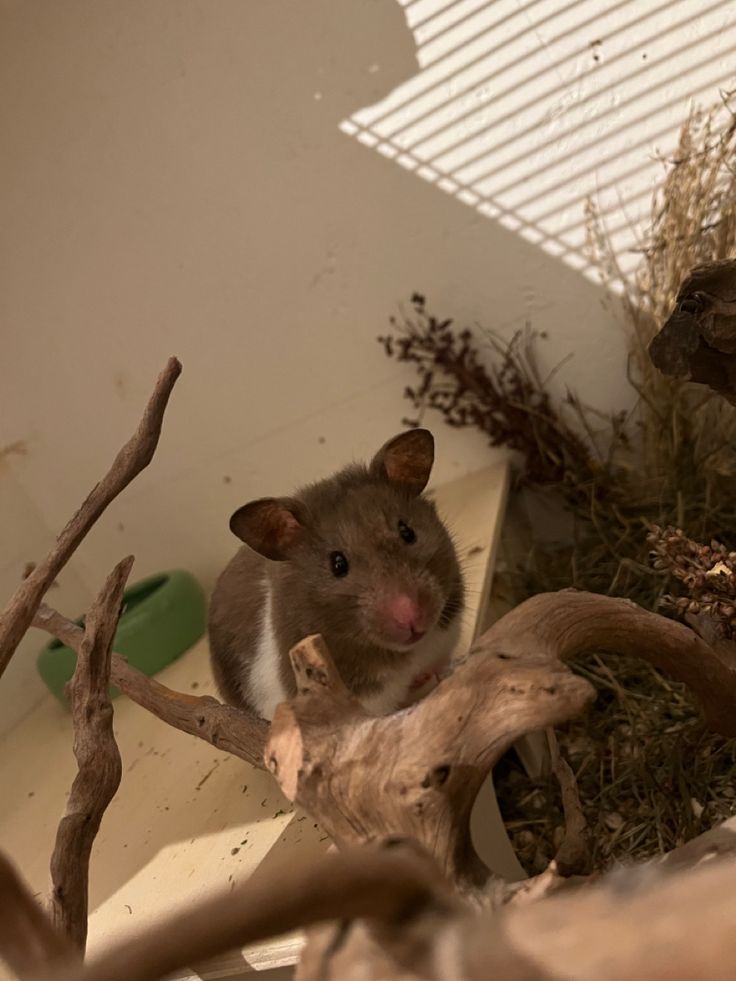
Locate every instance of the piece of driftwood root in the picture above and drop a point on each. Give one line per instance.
(416, 773)
(133, 457)
(698, 340)
(224, 727)
(419, 748)
(389, 884)
(389, 914)
(98, 759)
(569, 623)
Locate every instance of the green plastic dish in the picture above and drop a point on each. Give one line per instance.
(164, 615)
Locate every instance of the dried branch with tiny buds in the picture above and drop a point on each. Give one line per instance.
(706, 573)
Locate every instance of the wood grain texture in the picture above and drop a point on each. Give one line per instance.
(415, 773)
(568, 623)
(98, 759)
(223, 726)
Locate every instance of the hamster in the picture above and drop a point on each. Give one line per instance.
(362, 558)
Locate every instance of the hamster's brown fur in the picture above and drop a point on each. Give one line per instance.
(281, 587)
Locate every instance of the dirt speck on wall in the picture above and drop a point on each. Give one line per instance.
(18, 448)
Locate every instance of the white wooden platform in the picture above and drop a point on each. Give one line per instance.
(188, 819)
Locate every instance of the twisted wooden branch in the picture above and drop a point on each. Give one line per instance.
(420, 748)
(395, 917)
(568, 623)
(137, 453)
(387, 885)
(98, 758)
(224, 727)
(416, 773)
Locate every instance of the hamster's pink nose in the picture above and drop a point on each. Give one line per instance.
(406, 617)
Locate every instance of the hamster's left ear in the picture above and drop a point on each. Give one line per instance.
(406, 460)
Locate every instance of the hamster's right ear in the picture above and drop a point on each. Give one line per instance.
(272, 526)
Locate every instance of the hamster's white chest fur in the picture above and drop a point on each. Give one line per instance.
(266, 690)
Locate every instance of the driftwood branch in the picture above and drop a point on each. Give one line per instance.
(508, 686)
(29, 944)
(385, 884)
(416, 773)
(98, 759)
(568, 623)
(137, 453)
(224, 727)
(395, 917)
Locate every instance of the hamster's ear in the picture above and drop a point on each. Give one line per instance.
(272, 526)
(406, 460)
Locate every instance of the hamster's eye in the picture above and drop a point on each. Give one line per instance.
(338, 564)
(408, 534)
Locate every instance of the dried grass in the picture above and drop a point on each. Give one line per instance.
(650, 775)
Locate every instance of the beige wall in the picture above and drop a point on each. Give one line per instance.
(173, 180)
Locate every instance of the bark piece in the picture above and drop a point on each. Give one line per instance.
(394, 918)
(698, 340)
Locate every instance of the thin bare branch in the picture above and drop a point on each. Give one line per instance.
(224, 727)
(137, 453)
(573, 856)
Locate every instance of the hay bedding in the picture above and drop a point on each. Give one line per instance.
(643, 488)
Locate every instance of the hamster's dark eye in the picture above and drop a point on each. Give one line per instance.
(338, 564)
(408, 534)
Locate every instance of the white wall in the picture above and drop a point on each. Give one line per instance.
(174, 180)
(25, 538)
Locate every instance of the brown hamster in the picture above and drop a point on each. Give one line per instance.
(360, 557)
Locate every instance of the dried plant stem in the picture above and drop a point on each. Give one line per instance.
(573, 855)
(98, 759)
(224, 727)
(137, 453)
